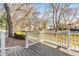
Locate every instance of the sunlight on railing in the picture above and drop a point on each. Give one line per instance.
(32, 37)
(67, 39)
(63, 38)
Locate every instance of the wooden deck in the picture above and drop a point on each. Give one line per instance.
(11, 42)
(38, 49)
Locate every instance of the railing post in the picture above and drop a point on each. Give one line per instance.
(68, 47)
(27, 40)
(3, 44)
(41, 36)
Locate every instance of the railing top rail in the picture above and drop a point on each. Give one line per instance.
(62, 32)
(58, 32)
(74, 32)
(32, 31)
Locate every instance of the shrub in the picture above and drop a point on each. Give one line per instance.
(19, 35)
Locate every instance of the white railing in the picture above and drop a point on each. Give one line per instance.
(32, 37)
(68, 39)
(2, 43)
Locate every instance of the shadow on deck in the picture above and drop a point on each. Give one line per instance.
(38, 49)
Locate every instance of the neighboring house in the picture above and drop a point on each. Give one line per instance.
(50, 27)
(76, 26)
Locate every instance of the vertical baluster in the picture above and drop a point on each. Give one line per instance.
(56, 38)
(74, 40)
(52, 37)
(66, 40)
(27, 38)
(39, 36)
(62, 40)
(43, 36)
(78, 41)
(59, 39)
(71, 40)
(57, 35)
(68, 47)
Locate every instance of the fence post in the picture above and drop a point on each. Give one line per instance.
(27, 42)
(41, 36)
(3, 44)
(68, 47)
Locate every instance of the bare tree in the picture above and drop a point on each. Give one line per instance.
(8, 19)
(62, 14)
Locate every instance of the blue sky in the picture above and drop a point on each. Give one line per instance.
(73, 6)
(44, 6)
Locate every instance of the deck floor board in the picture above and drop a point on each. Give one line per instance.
(38, 49)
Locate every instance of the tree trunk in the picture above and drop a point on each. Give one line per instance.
(53, 20)
(8, 19)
